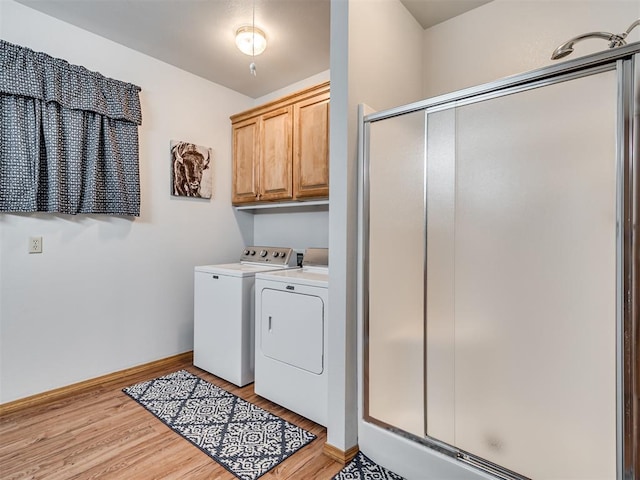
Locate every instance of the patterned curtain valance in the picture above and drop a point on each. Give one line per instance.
(68, 137)
(27, 73)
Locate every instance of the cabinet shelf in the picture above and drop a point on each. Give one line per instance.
(283, 207)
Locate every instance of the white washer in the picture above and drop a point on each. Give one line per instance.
(223, 320)
(291, 340)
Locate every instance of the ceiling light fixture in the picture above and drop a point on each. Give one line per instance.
(251, 40)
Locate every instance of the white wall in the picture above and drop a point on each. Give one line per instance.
(385, 57)
(507, 37)
(296, 229)
(1, 276)
(109, 293)
(294, 87)
(375, 59)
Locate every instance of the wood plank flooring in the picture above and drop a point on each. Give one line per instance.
(102, 433)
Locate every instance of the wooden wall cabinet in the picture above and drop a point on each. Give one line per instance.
(281, 149)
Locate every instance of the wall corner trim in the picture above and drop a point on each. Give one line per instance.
(338, 455)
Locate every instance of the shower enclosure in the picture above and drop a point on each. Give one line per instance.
(499, 267)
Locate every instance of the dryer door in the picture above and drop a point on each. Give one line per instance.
(291, 329)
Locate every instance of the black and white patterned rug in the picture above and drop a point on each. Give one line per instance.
(243, 438)
(363, 468)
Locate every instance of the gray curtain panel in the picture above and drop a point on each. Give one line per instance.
(68, 137)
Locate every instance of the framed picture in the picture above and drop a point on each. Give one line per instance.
(191, 175)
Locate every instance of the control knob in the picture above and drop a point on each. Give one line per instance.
(263, 253)
(246, 252)
(252, 252)
(275, 254)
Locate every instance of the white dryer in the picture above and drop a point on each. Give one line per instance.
(223, 326)
(291, 337)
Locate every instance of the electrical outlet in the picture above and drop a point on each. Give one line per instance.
(35, 244)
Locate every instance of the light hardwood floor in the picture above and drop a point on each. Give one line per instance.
(104, 434)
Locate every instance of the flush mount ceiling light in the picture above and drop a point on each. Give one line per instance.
(251, 40)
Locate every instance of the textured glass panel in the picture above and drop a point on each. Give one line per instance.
(440, 354)
(396, 272)
(521, 279)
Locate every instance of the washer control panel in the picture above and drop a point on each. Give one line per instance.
(267, 255)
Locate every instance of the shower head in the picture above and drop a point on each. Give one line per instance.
(562, 51)
(615, 40)
(567, 47)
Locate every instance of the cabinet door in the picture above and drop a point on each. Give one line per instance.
(311, 147)
(275, 156)
(246, 143)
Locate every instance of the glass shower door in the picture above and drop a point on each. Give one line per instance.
(521, 279)
(396, 273)
(491, 262)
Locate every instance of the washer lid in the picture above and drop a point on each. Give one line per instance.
(237, 269)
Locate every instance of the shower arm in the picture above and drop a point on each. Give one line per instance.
(631, 27)
(610, 37)
(614, 39)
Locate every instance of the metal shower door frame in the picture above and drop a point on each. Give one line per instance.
(626, 62)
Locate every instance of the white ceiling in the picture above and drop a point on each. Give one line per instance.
(198, 35)
(431, 12)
